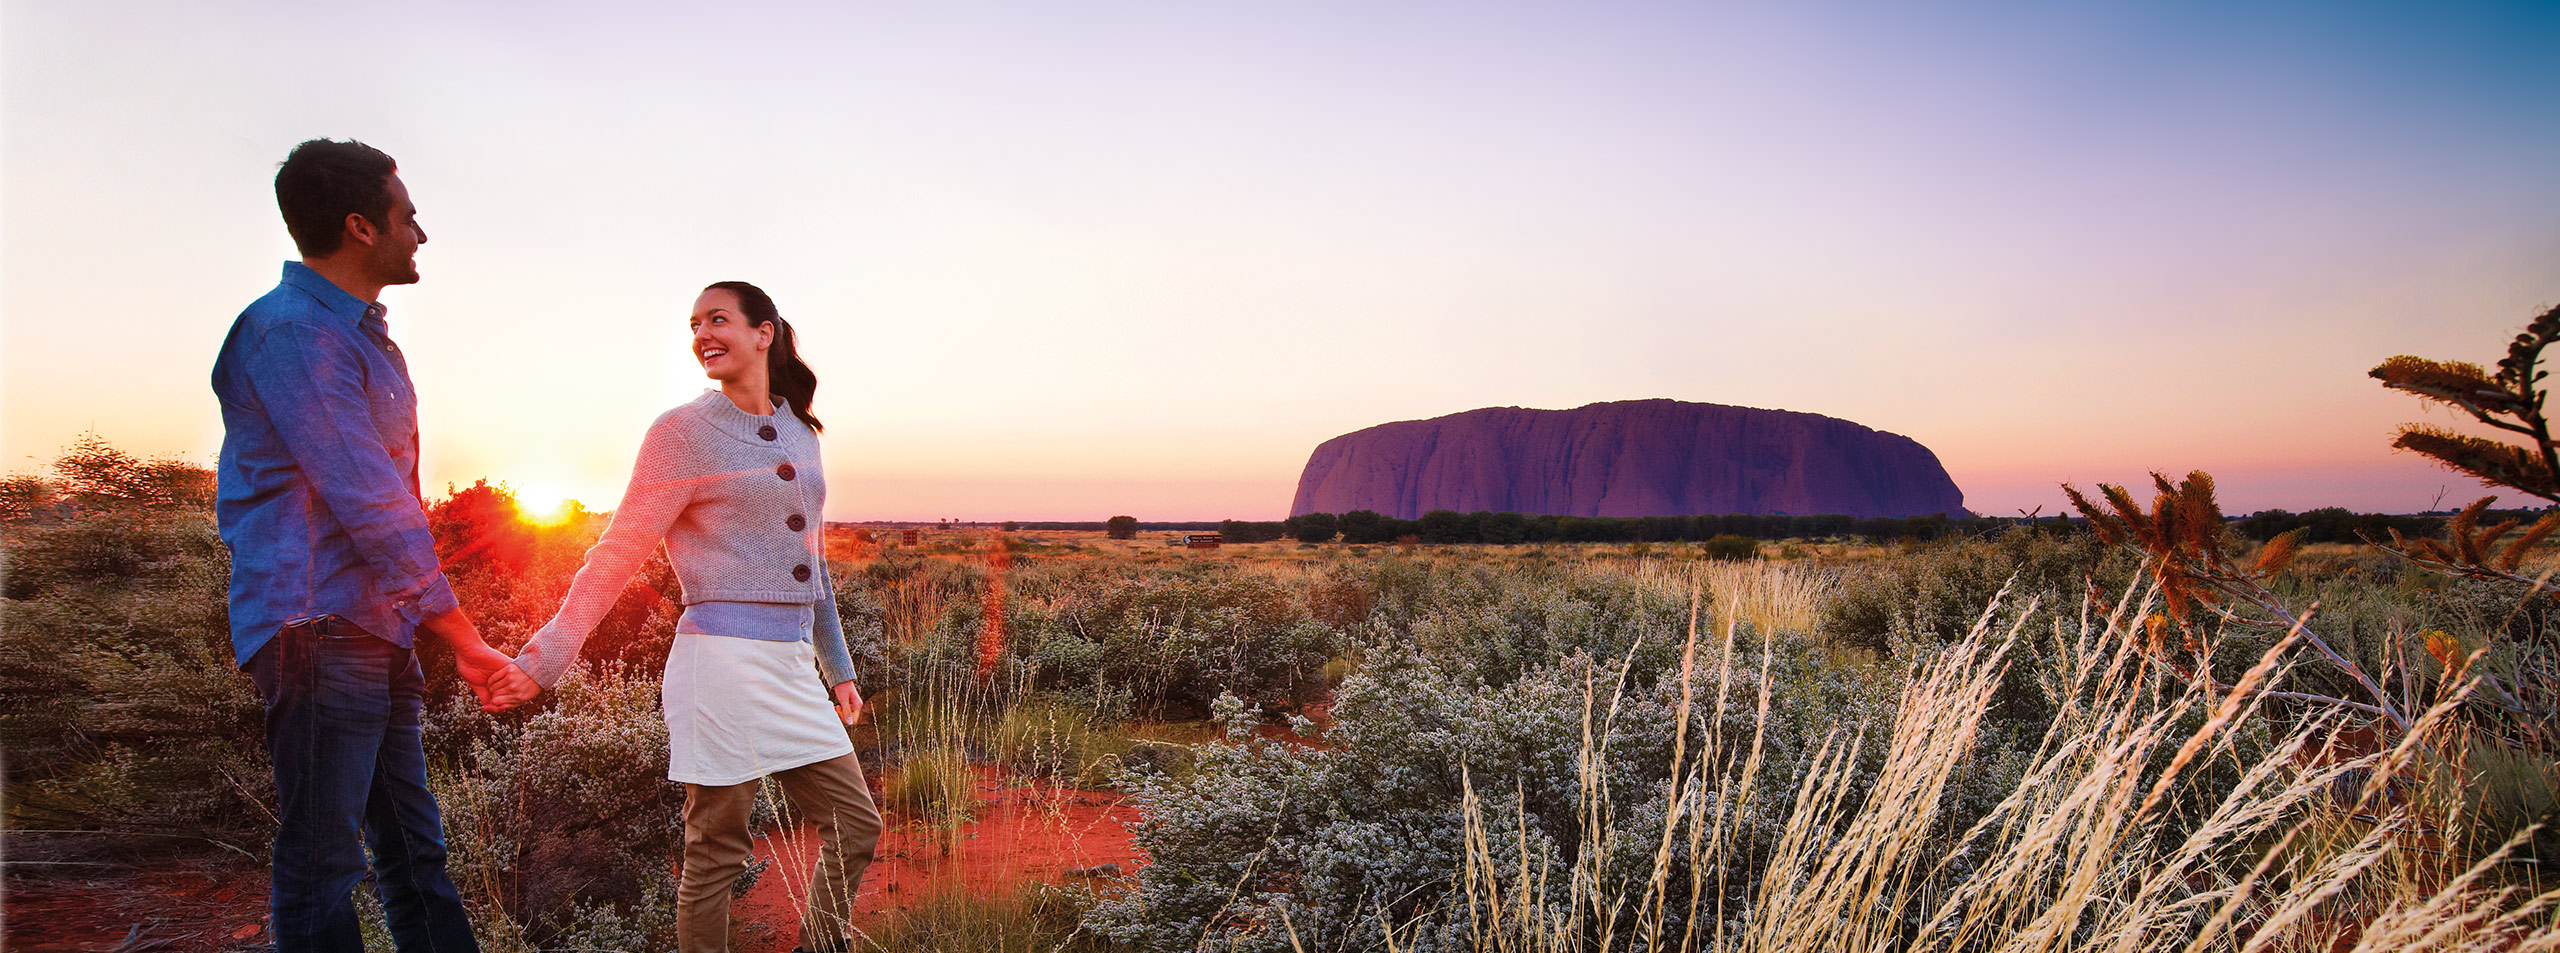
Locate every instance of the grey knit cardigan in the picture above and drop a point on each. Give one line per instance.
(738, 499)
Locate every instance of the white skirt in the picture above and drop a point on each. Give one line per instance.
(740, 709)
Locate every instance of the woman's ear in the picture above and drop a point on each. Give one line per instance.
(764, 335)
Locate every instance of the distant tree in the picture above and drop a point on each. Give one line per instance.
(1364, 526)
(1444, 526)
(1013, 526)
(1503, 529)
(1251, 531)
(1313, 527)
(23, 495)
(170, 481)
(480, 525)
(1121, 527)
(93, 472)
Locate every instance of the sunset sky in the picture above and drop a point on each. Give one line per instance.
(1071, 260)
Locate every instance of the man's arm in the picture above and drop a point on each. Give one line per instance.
(311, 384)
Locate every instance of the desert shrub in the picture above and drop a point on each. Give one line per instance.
(563, 828)
(1168, 637)
(1935, 593)
(1569, 810)
(120, 707)
(1729, 546)
(1369, 832)
(1493, 622)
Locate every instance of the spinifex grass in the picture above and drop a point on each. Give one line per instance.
(2106, 842)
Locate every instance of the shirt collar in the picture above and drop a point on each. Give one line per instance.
(725, 415)
(334, 298)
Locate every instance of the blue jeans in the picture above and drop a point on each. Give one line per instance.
(342, 726)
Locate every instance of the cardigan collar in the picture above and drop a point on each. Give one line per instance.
(724, 415)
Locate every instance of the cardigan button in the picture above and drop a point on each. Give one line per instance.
(766, 432)
(800, 572)
(785, 472)
(796, 522)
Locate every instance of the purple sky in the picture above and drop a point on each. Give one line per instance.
(1058, 263)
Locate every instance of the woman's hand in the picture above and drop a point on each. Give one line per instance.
(849, 702)
(493, 677)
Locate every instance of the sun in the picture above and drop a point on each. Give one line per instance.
(545, 507)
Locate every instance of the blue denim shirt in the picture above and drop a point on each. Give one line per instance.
(316, 491)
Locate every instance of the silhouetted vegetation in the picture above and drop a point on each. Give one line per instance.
(1252, 531)
(1450, 526)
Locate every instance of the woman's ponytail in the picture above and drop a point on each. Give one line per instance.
(790, 378)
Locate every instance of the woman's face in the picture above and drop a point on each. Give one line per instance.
(729, 348)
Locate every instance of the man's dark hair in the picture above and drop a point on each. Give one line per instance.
(322, 181)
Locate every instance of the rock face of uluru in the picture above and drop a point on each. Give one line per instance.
(1627, 458)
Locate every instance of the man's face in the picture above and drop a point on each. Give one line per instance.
(394, 256)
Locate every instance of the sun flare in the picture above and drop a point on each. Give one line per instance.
(544, 507)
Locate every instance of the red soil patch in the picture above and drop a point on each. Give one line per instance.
(1024, 831)
(216, 906)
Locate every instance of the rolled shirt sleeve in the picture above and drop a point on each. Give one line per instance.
(314, 391)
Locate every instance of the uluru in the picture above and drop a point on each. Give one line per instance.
(1627, 458)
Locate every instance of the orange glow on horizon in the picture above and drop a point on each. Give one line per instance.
(546, 508)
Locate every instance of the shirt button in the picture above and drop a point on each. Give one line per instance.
(766, 432)
(796, 523)
(785, 472)
(800, 572)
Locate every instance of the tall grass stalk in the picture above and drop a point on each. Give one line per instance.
(2107, 843)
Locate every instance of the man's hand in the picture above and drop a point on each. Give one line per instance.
(479, 667)
(478, 664)
(510, 688)
(849, 702)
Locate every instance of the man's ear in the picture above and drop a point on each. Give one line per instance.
(360, 229)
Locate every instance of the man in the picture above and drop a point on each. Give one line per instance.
(332, 567)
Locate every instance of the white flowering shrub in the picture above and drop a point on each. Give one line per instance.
(563, 830)
(1267, 842)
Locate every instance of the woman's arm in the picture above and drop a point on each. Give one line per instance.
(662, 483)
(835, 661)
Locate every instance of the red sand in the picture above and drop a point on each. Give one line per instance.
(1025, 832)
(189, 908)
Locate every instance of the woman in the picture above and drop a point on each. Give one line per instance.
(731, 482)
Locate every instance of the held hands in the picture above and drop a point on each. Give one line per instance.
(493, 677)
(849, 702)
(510, 688)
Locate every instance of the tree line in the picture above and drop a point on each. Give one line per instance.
(1450, 526)
(2325, 525)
